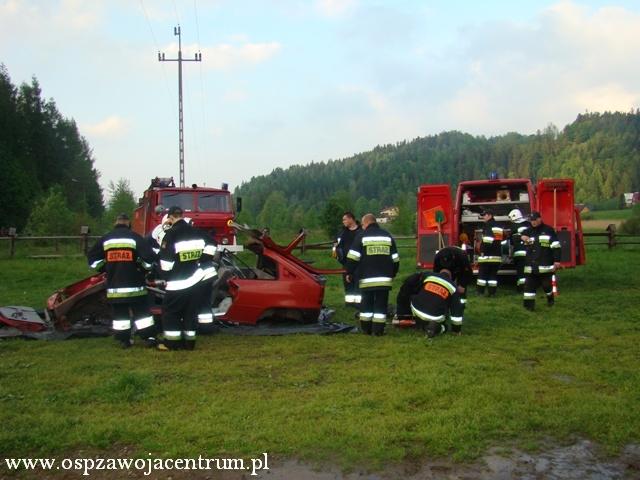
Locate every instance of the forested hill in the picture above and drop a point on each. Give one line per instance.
(600, 151)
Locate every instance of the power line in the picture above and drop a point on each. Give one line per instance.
(180, 60)
(155, 41)
(203, 101)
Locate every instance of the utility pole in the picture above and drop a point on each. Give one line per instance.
(197, 58)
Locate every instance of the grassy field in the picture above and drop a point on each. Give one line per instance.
(513, 377)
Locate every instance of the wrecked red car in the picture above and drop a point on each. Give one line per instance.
(280, 286)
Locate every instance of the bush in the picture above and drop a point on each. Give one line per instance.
(632, 225)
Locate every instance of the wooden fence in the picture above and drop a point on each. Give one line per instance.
(610, 236)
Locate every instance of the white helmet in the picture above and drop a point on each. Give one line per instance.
(515, 216)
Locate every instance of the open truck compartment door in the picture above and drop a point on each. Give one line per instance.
(555, 202)
(436, 225)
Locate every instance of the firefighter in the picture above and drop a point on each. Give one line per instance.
(125, 256)
(158, 233)
(430, 305)
(182, 253)
(341, 248)
(490, 254)
(520, 224)
(455, 260)
(208, 265)
(541, 261)
(373, 258)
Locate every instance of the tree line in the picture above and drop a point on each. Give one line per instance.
(600, 151)
(43, 158)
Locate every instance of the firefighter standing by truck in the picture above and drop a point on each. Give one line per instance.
(520, 224)
(490, 254)
(373, 258)
(541, 261)
(182, 251)
(341, 249)
(125, 256)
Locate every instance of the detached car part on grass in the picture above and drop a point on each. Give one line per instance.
(280, 287)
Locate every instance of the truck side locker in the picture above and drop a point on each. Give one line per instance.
(580, 252)
(555, 202)
(436, 224)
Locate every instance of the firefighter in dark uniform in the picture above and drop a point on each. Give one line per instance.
(456, 261)
(520, 224)
(182, 253)
(542, 260)
(437, 296)
(373, 258)
(341, 249)
(126, 256)
(208, 265)
(490, 254)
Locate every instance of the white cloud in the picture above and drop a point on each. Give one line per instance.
(111, 127)
(610, 97)
(522, 76)
(335, 8)
(227, 56)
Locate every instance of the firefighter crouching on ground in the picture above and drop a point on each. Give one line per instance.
(490, 254)
(374, 260)
(454, 259)
(542, 260)
(520, 224)
(341, 248)
(125, 256)
(182, 251)
(437, 296)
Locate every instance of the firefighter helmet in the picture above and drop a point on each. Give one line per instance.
(515, 215)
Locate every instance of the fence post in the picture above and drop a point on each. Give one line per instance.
(12, 241)
(84, 233)
(611, 230)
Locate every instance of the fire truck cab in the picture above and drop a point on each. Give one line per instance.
(444, 220)
(209, 209)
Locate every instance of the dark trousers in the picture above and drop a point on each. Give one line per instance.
(518, 262)
(488, 277)
(137, 310)
(531, 283)
(180, 310)
(373, 310)
(205, 315)
(352, 296)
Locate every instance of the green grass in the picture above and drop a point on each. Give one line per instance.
(512, 378)
(610, 214)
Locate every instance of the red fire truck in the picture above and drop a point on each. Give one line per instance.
(209, 209)
(445, 220)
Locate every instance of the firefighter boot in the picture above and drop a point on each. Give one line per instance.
(530, 305)
(365, 326)
(550, 299)
(189, 344)
(492, 291)
(377, 329)
(434, 329)
(480, 290)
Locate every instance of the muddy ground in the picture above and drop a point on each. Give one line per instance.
(582, 460)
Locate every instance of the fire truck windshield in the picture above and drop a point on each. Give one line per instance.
(183, 200)
(213, 202)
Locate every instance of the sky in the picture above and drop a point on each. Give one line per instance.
(286, 82)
